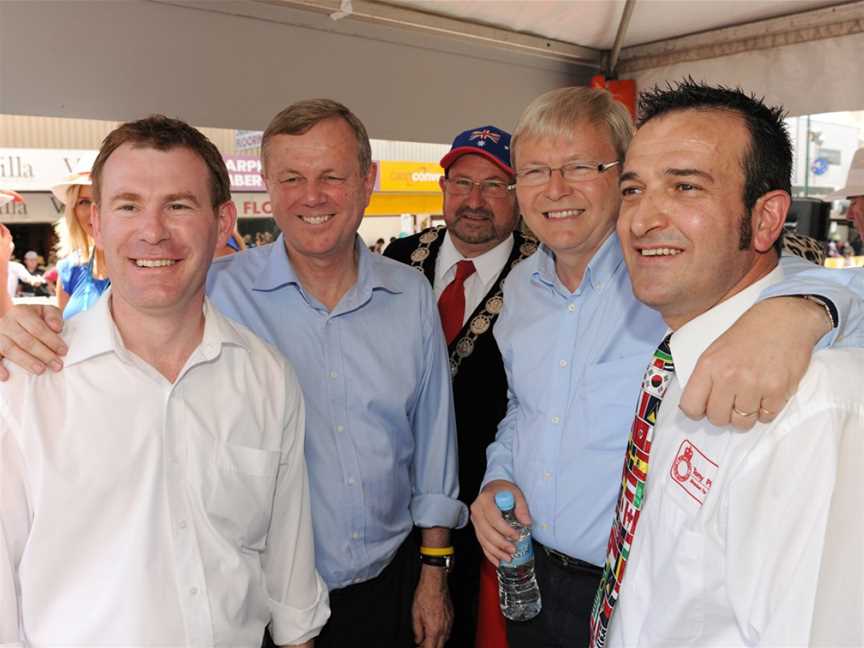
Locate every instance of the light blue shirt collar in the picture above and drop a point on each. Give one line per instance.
(600, 270)
(372, 274)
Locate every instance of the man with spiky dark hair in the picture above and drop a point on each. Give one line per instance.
(574, 342)
(721, 534)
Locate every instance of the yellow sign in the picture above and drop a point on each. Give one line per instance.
(395, 204)
(410, 177)
(844, 262)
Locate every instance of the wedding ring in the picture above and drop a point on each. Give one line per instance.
(744, 414)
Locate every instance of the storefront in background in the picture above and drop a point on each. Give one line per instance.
(406, 198)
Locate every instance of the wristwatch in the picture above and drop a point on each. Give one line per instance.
(438, 557)
(831, 314)
(444, 562)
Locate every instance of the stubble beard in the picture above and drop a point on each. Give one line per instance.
(471, 235)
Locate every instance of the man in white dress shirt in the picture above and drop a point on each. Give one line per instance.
(728, 545)
(155, 492)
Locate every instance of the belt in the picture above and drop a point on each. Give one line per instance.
(569, 563)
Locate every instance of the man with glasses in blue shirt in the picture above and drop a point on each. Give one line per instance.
(575, 342)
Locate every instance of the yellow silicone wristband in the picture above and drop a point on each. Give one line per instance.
(437, 551)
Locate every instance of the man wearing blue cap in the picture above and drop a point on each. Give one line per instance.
(466, 262)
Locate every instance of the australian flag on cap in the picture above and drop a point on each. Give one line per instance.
(486, 141)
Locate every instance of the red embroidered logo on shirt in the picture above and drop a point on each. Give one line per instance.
(693, 471)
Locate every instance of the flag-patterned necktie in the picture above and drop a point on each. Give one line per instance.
(632, 494)
(451, 303)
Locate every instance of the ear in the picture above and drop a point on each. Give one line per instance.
(768, 217)
(96, 224)
(441, 182)
(226, 217)
(369, 181)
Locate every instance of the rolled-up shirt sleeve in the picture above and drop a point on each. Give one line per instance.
(298, 597)
(14, 529)
(435, 500)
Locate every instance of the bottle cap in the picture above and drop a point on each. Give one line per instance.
(504, 500)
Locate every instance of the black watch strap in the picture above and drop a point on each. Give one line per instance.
(445, 562)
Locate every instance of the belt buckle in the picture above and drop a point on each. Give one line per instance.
(564, 559)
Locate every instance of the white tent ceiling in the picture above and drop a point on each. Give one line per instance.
(593, 23)
(804, 54)
(415, 70)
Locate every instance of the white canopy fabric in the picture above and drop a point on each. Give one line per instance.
(414, 70)
(803, 54)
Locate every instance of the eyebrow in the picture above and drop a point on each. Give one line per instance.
(127, 195)
(292, 171)
(496, 178)
(689, 172)
(183, 195)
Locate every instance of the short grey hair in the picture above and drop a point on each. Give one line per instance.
(301, 116)
(555, 113)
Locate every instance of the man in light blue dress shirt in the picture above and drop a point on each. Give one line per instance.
(363, 334)
(575, 343)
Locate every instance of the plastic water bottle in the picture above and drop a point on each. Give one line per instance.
(518, 593)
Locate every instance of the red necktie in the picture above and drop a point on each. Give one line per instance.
(451, 304)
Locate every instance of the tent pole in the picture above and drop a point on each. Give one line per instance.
(619, 39)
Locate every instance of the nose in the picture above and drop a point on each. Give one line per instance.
(153, 228)
(475, 199)
(643, 215)
(313, 193)
(557, 187)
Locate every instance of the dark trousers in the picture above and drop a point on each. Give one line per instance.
(464, 583)
(376, 612)
(567, 595)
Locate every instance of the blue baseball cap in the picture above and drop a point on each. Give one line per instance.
(486, 141)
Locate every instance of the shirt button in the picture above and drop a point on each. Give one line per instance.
(556, 420)
(544, 525)
(340, 428)
(547, 475)
(571, 307)
(350, 481)
(355, 536)
(193, 591)
(333, 374)
(562, 363)
(182, 524)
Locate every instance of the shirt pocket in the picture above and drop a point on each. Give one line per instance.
(678, 568)
(608, 397)
(239, 491)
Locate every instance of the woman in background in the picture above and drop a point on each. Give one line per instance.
(81, 277)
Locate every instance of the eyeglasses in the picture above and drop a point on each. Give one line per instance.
(488, 188)
(571, 172)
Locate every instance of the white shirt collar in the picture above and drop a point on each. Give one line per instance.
(96, 333)
(691, 340)
(488, 265)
